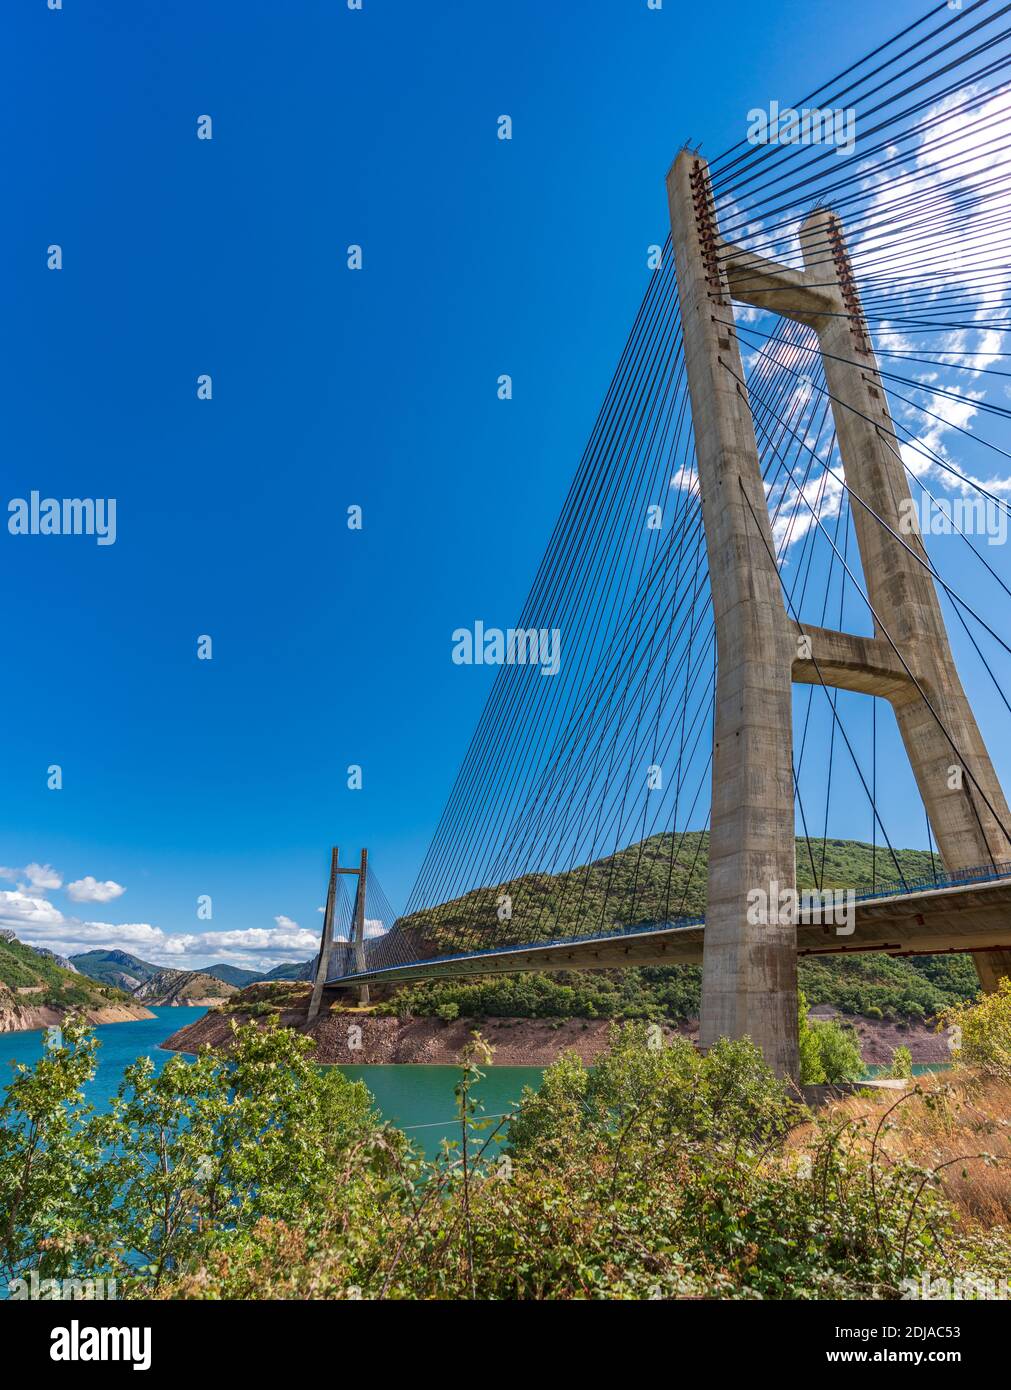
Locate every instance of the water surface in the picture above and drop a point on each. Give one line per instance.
(419, 1099)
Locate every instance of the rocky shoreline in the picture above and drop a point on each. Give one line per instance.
(27, 1018)
(360, 1038)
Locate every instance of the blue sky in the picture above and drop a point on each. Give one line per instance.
(181, 257)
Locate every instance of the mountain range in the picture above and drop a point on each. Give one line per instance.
(158, 984)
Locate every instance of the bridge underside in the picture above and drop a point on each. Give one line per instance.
(931, 922)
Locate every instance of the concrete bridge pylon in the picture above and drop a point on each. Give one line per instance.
(749, 968)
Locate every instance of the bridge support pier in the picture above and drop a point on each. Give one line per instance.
(326, 939)
(749, 982)
(749, 966)
(326, 944)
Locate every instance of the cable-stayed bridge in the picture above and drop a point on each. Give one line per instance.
(775, 577)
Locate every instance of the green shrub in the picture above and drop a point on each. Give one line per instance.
(657, 1173)
(829, 1050)
(983, 1032)
(901, 1068)
(839, 1050)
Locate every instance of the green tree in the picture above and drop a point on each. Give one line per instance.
(645, 1084)
(839, 1050)
(829, 1050)
(227, 1139)
(982, 1032)
(812, 1072)
(47, 1146)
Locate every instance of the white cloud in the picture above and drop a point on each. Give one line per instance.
(38, 922)
(18, 909)
(276, 941)
(955, 171)
(41, 877)
(89, 890)
(958, 166)
(686, 479)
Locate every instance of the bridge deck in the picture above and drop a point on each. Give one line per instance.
(969, 913)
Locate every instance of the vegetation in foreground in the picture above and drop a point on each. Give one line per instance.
(657, 1174)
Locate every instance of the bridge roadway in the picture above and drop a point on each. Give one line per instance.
(969, 913)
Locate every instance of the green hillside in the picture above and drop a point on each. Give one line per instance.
(657, 880)
(22, 969)
(232, 974)
(661, 878)
(291, 970)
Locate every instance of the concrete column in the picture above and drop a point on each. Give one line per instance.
(363, 990)
(326, 940)
(992, 967)
(749, 984)
(968, 831)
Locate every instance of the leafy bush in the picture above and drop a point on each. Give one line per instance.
(901, 1068)
(829, 1050)
(839, 1050)
(206, 1144)
(657, 1173)
(45, 1144)
(983, 1032)
(727, 1092)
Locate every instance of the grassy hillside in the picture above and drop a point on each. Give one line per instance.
(661, 878)
(655, 881)
(291, 970)
(22, 969)
(233, 975)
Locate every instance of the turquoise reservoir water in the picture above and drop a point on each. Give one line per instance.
(121, 1044)
(920, 1069)
(418, 1099)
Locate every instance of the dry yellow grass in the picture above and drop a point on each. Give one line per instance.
(958, 1125)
